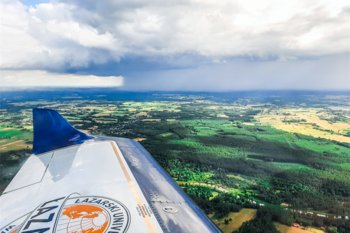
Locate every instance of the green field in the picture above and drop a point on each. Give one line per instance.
(222, 153)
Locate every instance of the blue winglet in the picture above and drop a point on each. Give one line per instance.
(52, 131)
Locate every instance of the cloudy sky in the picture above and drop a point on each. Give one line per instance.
(176, 44)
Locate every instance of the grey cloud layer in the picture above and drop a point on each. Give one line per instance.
(326, 73)
(76, 33)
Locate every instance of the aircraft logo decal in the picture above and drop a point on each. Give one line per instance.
(83, 218)
(74, 214)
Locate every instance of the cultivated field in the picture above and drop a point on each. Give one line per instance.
(235, 220)
(264, 159)
(319, 123)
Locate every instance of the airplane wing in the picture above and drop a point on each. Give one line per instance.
(77, 183)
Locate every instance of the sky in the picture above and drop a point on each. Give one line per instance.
(182, 45)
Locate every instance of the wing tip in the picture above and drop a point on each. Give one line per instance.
(52, 131)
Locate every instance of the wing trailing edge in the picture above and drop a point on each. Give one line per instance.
(52, 131)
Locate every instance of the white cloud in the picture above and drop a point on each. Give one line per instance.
(76, 33)
(37, 78)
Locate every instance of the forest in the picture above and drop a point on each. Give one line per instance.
(227, 153)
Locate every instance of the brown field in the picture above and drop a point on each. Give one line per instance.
(287, 229)
(102, 114)
(142, 114)
(13, 145)
(151, 120)
(238, 218)
(311, 122)
(140, 139)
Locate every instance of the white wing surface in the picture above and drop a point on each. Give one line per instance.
(76, 183)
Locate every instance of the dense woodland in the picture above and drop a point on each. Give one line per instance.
(220, 155)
